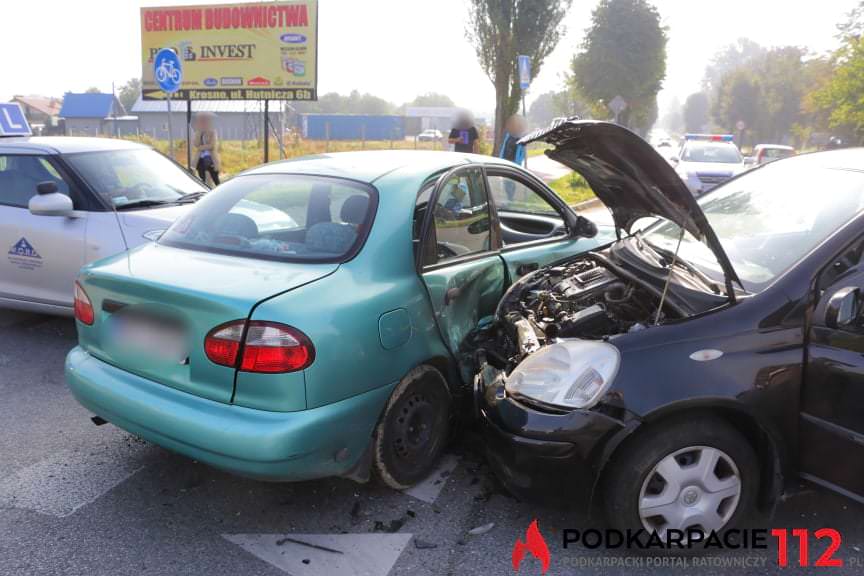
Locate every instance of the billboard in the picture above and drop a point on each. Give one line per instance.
(258, 51)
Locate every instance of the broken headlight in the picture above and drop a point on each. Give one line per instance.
(567, 374)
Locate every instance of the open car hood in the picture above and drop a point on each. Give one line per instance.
(630, 178)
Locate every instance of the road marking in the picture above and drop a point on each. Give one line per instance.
(429, 489)
(326, 554)
(64, 482)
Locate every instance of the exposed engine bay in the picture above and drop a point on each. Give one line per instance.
(577, 299)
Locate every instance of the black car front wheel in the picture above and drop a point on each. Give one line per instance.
(413, 429)
(683, 475)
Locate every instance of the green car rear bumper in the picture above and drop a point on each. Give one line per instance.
(280, 446)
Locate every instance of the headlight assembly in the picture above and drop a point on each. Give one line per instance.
(571, 373)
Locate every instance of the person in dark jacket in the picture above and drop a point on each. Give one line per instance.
(514, 129)
(464, 136)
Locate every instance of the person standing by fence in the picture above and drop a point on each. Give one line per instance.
(206, 147)
(464, 135)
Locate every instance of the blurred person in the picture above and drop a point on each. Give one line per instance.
(206, 142)
(464, 135)
(514, 129)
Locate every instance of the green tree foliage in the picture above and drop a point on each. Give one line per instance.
(129, 93)
(839, 100)
(735, 55)
(354, 103)
(842, 97)
(551, 105)
(432, 99)
(623, 54)
(737, 99)
(501, 30)
(696, 112)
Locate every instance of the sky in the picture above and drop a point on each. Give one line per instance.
(395, 49)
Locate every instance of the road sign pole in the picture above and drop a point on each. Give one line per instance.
(170, 130)
(189, 134)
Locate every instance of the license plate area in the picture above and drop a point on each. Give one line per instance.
(149, 336)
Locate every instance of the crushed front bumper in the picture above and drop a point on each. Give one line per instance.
(315, 443)
(545, 457)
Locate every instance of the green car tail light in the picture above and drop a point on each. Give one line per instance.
(82, 307)
(257, 346)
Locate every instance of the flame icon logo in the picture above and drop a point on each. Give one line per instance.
(535, 544)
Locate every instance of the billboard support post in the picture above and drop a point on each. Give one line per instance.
(189, 134)
(266, 131)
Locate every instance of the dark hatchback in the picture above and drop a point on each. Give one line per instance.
(684, 375)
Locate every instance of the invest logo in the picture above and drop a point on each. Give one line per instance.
(535, 545)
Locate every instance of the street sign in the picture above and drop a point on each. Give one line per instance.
(524, 71)
(740, 125)
(167, 70)
(12, 120)
(617, 105)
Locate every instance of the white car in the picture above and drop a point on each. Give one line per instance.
(430, 135)
(67, 201)
(707, 160)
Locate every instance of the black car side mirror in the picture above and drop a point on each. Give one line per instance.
(583, 228)
(843, 308)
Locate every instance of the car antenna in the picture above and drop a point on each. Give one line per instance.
(668, 278)
(122, 233)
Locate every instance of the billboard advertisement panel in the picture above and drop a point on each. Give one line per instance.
(257, 51)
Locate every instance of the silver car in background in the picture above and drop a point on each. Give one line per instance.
(66, 201)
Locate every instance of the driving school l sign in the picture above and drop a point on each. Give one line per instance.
(259, 51)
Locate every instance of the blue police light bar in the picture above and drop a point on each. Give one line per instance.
(710, 137)
(12, 120)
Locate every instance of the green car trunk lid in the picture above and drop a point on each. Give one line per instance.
(195, 292)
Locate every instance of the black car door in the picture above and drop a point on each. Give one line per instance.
(832, 404)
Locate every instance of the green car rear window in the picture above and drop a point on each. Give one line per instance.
(279, 217)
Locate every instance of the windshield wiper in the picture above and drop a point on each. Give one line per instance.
(145, 204)
(190, 197)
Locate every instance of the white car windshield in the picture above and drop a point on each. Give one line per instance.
(769, 219)
(720, 152)
(134, 178)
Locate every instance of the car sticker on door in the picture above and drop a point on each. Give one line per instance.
(22, 255)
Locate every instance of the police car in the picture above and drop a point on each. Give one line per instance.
(706, 160)
(67, 201)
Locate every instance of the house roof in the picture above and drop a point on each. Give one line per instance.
(44, 104)
(89, 105)
(217, 106)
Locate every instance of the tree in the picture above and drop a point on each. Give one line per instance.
(672, 119)
(738, 99)
(623, 54)
(696, 112)
(129, 93)
(501, 30)
(733, 56)
(93, 90)
(842, 98)
(432, 99)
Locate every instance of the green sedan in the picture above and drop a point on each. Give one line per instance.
(327, 342)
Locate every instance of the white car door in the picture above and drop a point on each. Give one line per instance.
(39, 255)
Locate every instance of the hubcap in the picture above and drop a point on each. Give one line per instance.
(413, 428)
(695, 488)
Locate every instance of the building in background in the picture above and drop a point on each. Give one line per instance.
(96, 114)
(352, 127)
(42, 112)
(420, 118)
(235, 119)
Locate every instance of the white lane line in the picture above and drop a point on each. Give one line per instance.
(326, 554)
(429, 489)
(67, 480)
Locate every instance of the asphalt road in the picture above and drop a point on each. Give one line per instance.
(80, 499)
